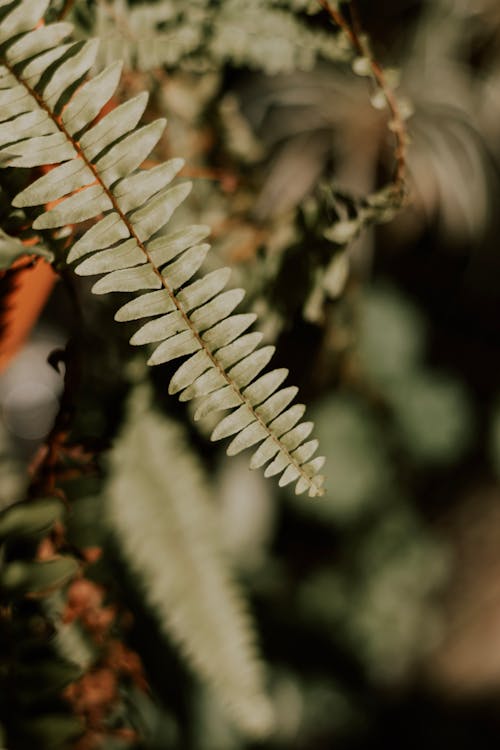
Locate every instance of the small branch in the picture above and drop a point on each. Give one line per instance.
(66, 8)
(396, 124)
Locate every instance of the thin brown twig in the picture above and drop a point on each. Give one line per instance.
(66, 8)
(396, 123)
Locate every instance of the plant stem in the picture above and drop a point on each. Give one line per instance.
(397, 124)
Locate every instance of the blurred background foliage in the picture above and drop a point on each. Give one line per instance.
(377, 608)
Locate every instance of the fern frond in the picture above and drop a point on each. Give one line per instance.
(50, 117)
(205, 35)
(159, 507)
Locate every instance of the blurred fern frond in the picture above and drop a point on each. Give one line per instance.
(159, 507)
(202, 36)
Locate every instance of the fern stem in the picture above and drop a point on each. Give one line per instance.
(397, 122)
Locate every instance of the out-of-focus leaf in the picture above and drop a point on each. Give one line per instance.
(20, 578)
(11, 249)
(28, 519)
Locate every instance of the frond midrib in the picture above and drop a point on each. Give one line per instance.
(244, 401)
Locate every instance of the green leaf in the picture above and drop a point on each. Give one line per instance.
(70, 72)
(160, 328)
(174, 347)
(29, 519)
(79, 207)
(128, 280)
(204, 289)
(91, 98)
(113, 126)
(102, 235)
(218, 309)
(154, 303)
(56, 183)
(11, 249)
(22, 18)
(124, 255)
(38, 41)
(129, 153)
(134, 191)
(19, 578)
(157, 212)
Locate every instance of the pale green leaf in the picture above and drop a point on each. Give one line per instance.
(105, 233)
(168, 246)
(124, 255)
(225, 398)
(46, 149)
(129, 153)
(276, 403)
(277, 465)
(55, 184)
(315, 481)
(134, 191)
(177, 273)
(128, 280)
(209, 381)
(297, 435)
(34, 70)
(189, 371)
(160, 328)
(305, 451)
(264, 453)
(259, 390)
(204, 289)
(234, 422)
(245, 371)
(301, 486)
(14, 101)
(70, 72)
(220, 307)
(23, 17)
(173, 548)
(278, 426)
(286, 421)
(232, 353)
(176, 346)
(157, 212)
(88, 101)
(7, 79)
(15, 130)
(137, 203)
(117, 123)
(254, 433)
(228, 330)
(290, 474)
(83, 205)
(38, 41)
(154, 303)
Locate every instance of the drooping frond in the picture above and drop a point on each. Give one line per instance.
(47, 118)
(160, 510)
